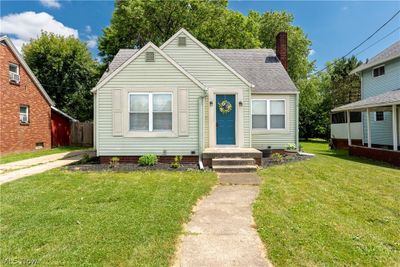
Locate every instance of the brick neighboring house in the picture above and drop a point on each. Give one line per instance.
(25, 110)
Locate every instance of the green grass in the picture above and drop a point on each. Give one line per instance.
(28, 155)
(332, 210)
(64, 218)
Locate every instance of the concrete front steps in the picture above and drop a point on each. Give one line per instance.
(233, 160)
(234, 165)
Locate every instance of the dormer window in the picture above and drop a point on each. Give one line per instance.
(182, 41)
(379, 71)
(149, 56)
(13, 70)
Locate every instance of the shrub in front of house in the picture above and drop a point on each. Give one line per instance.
(148, 160)
(177, 162)
(114, 162)
(277, 157)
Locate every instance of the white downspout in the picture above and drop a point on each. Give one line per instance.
(201, 129)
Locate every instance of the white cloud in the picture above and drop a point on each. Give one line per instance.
(312, 52)
(28, 25)
(51, 3)
(92, 41)
(88, 29)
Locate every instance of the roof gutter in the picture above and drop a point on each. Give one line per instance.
(372, 64)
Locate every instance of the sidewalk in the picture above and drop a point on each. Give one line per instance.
(221, 231)
(23, 168)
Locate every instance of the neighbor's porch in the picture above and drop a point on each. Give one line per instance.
(387, 102)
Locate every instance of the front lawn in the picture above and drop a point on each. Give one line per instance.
(332, 210)
(63, 218)
(34, 154)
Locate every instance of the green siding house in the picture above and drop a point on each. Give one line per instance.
(182, 98)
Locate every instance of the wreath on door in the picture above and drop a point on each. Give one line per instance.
(225, 106)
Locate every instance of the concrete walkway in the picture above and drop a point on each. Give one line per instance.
(221, 231)
(23, 168)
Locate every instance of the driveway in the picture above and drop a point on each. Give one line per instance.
(23, 168)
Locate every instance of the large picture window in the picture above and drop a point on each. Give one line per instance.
(269, 114)
(150, 112)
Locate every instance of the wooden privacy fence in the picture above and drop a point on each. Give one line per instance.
(82, 134)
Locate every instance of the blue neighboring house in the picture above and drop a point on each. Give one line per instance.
(379, 104)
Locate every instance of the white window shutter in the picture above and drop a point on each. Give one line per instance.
(183, 112)
(116, 113)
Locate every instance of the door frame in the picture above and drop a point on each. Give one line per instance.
(216, 120)
(212, 95)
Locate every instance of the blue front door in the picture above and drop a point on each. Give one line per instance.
(226, 121)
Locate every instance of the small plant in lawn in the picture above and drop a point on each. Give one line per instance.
(114, 162)
(277, 157)
(148, 160)
(85, 158)
(300, 147)
(290, 147)
(177, 162)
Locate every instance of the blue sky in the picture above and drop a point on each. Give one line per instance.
(334, 27)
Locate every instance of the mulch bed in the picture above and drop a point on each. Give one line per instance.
(287, 158)
(94, 165)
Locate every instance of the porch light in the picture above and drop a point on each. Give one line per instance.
(211, 103)
(240, 103)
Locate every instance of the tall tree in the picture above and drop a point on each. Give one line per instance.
(271, 23)
(322, 92)
(313, 116)
(65, 68)
(345, 87)
(135, 22)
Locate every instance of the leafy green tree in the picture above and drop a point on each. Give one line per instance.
(65, 68)
(322, 92)
(313, 117)
(271, 23)
(345, 87)
(135, 22)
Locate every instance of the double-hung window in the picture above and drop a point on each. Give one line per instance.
(269, 114)
(24, 114)
(13, 71)
(150, 112)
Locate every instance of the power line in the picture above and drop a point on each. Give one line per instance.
(369, 37)
(384, 37)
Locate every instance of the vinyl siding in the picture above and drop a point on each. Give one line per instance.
(381, 131)
(144, 76)
(212, 74)
(278, 140)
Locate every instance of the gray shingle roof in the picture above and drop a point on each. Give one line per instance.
(260, 67)
(385, 99)
(389, 53)
(119, 59)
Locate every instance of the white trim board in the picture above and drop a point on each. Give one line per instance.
(208, 51)
(26, 67)
(137, 54)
